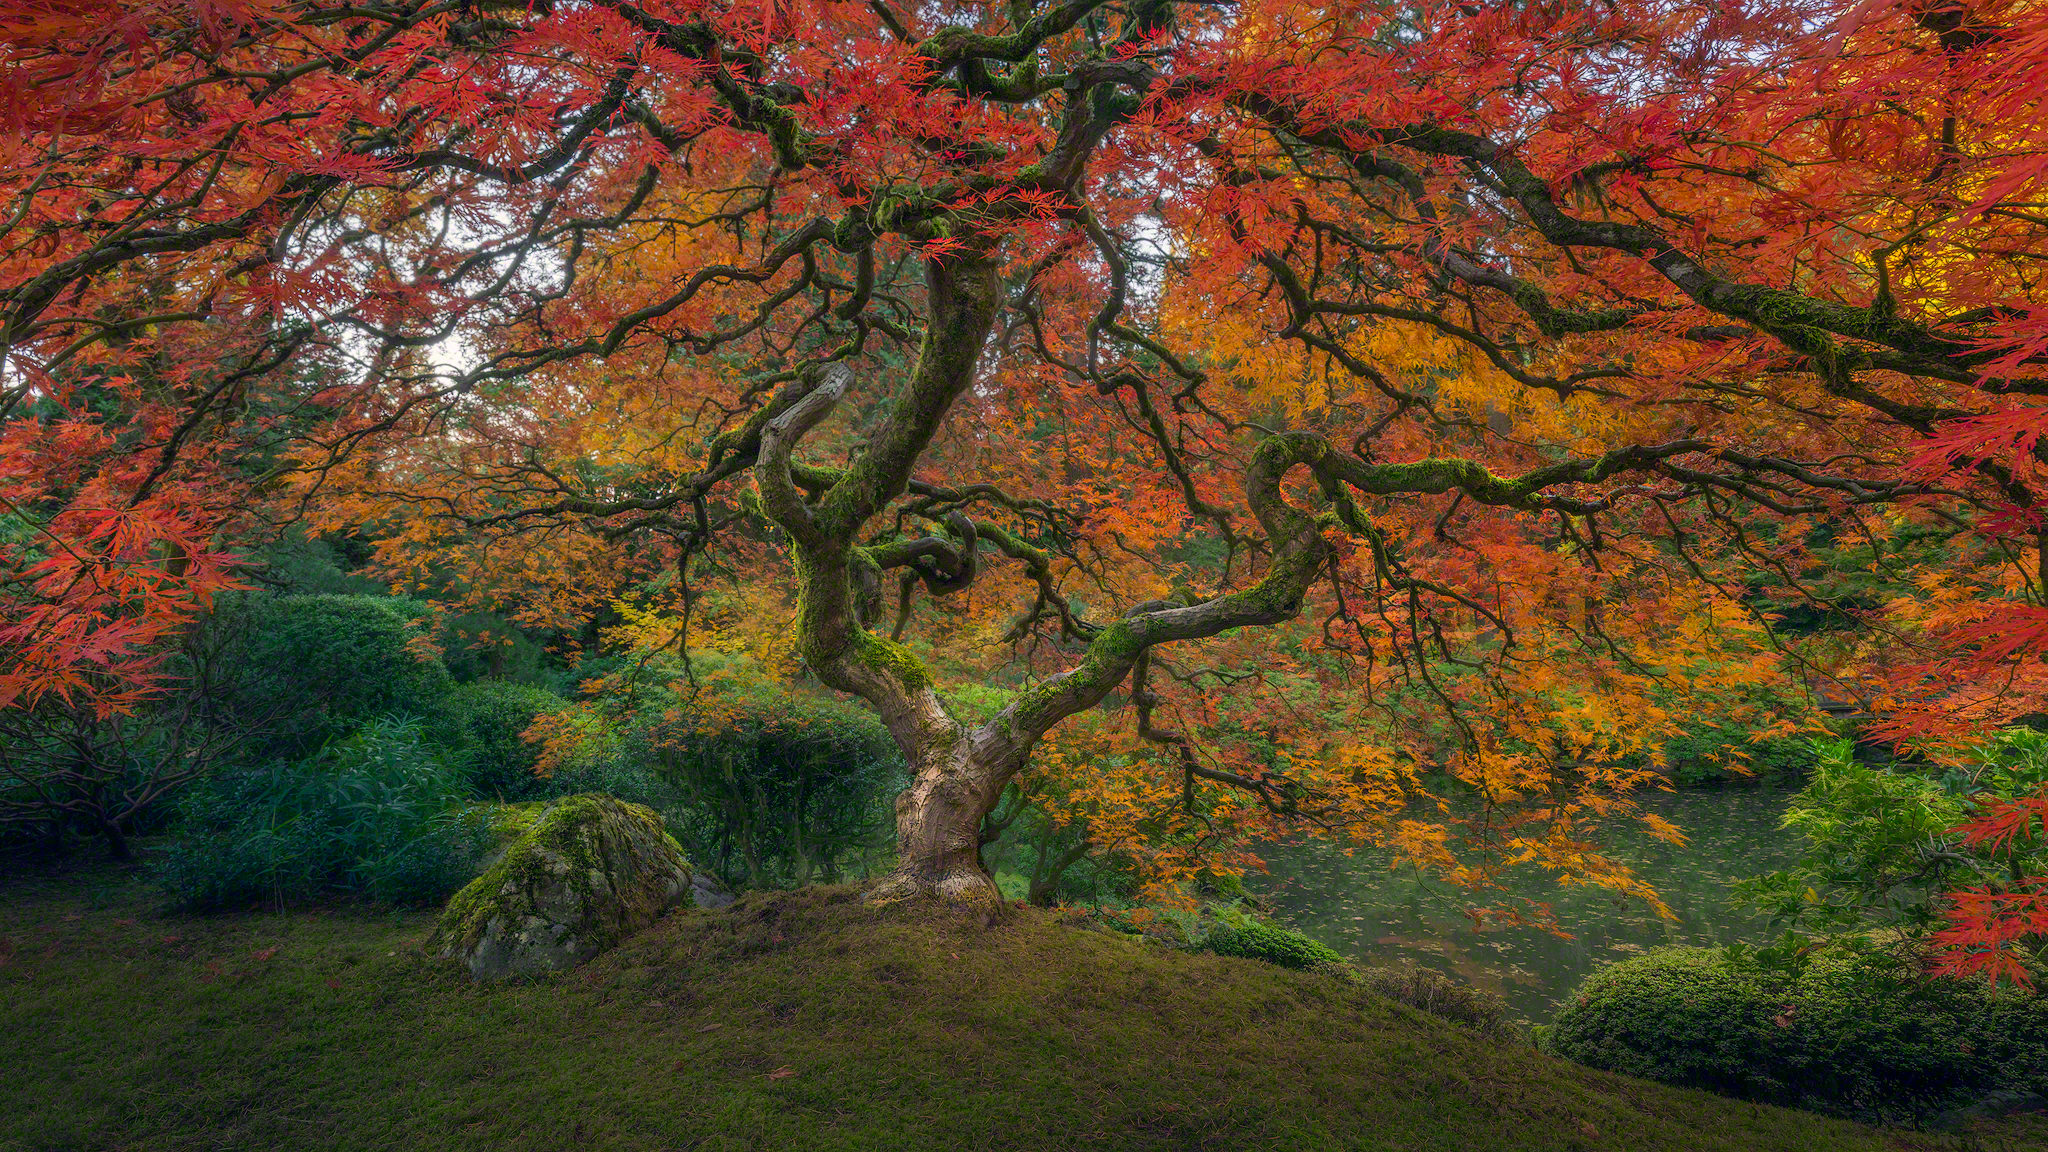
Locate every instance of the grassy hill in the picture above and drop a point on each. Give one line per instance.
(799, 1020)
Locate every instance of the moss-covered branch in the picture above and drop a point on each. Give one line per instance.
(772, 470)
(1298, 555)
(964, 296)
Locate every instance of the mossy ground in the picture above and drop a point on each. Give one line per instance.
(805, 1020)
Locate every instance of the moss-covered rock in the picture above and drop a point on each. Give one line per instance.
(576, 875)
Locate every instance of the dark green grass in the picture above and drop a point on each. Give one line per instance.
(803, 1021)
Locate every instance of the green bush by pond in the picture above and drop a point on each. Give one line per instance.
(1255, 940)
(1845, 1034)
(1682, 1016)
(1881, 845)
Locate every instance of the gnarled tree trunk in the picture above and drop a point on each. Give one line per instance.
(938, 829)
(958, 772)
(956, 777)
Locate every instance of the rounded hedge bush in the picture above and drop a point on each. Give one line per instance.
(315, 666)
(1681, 1016)
(1877, 1042)
(1849, 1035)
(1259, 941)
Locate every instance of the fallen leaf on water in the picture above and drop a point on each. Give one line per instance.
(782, 1073)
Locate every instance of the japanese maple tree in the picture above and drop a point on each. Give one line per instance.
(1205, 351)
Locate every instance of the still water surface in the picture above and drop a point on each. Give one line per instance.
(1376, 916)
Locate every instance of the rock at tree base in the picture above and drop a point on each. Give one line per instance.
(578, 875)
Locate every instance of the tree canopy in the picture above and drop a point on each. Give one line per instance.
(1270, 401)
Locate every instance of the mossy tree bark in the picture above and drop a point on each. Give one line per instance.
(954, 780)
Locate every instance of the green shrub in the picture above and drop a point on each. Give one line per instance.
(626, 777)
(487, 646)
(763, 786)
(1255, 940)
(264, 678)
(1846, 1034)
(1881, 847)
(379, 814)
(1681, 1016)
(313, 667)
(779, 788)
(2013, 1039)
(491, 716)
(1879, 1042)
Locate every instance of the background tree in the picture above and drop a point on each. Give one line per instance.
(1526, 349)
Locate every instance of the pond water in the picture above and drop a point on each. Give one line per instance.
(1374, 915)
